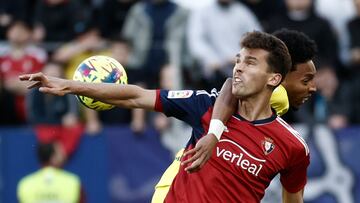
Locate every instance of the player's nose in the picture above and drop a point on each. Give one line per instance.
(238, 68)
(312, 87)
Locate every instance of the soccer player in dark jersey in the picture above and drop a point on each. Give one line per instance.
(257, 145)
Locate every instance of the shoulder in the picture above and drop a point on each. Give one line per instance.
(186, 94)
(4, 49)
(25, 180)
(279, 100)
(37, 53)
(68, 175)
(292, 138)
(177, 101)
(28, 181)
(138, 8)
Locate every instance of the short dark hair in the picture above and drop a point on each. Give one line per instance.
(45, 152)
(279, 59)
(300, 46)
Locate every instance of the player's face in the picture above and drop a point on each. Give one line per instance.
(300, 84)
(250, 73)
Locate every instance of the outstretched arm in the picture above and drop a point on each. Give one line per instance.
(224, 107)
(125, 96)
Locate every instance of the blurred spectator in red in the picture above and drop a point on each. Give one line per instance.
(59, 20)
(214, 35)
(156, 31)
(112, 16)
(19, 57)
(55, 119)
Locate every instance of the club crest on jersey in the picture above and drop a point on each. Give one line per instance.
(268, 145)
(179, 94)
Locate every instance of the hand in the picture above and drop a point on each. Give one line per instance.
(202, 153)
(47, 84)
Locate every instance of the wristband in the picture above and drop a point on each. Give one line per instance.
(216, 127)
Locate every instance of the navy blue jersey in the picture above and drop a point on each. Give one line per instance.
(189, 106)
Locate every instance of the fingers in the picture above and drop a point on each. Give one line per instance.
(32, 77)
(193, 158)
(24, 77)
(196, 165)
(35, 84)
(191, 151)
(37, 77)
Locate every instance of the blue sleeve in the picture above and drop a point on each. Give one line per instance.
(186, 105)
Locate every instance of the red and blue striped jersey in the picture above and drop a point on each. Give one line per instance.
(246, 158)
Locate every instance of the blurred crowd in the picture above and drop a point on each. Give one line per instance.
(165, 44)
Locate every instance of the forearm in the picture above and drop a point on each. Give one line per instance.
(225, 104)
(296, 197)
(224, 107)
(125, 96)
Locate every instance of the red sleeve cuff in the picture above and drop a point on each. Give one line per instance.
(158, 104)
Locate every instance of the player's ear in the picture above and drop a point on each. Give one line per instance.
(275, 79)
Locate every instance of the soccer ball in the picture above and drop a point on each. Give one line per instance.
(97, 69)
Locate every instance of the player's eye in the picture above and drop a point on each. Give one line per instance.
(248, 62)
(305, 81)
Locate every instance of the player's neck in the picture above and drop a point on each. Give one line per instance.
(255, 108)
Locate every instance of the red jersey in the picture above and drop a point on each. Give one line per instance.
(11, 67)
(247, 157)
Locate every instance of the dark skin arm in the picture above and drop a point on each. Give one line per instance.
(224, 107)
(296, 197)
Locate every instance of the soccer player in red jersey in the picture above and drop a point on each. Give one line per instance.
(257, 145)
(296, 88)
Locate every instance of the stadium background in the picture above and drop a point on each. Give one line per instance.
(119, 161)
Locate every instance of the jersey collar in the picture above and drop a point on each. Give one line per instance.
(259, 122)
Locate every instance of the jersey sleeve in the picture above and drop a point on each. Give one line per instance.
(294, 177)
(185, 105)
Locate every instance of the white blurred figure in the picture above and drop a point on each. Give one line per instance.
(327, 9)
